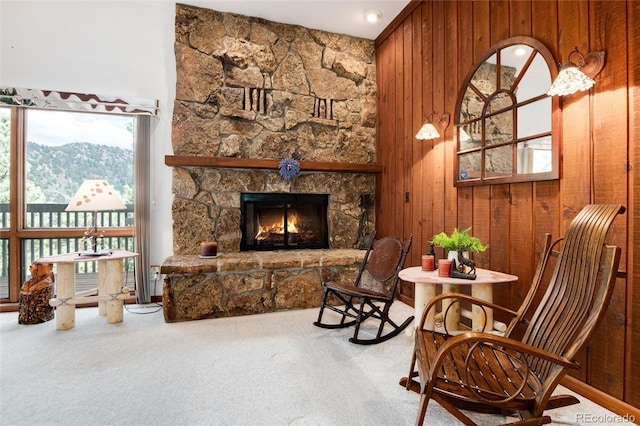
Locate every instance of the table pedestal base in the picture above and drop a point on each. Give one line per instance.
(111, 293)
(65, 313)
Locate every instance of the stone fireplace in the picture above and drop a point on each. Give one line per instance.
(250, 90)
(249, 93)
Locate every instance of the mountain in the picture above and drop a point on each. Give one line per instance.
(54, 173)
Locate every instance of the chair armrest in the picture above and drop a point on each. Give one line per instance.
(522, 348)
(478, 355)
(453, 297)
(460, 348)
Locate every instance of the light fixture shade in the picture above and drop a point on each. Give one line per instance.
(95, 195)
(570, 80)
(427, 131)
(464, 136)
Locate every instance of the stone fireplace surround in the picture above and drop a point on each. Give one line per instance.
(241, 283)
(250, 92)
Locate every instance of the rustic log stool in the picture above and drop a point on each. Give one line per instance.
(35, 294)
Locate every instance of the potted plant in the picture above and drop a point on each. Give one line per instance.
(457, 244)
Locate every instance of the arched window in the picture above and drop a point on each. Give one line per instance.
(504, 117)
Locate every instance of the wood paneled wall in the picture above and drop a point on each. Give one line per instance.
(422, 60)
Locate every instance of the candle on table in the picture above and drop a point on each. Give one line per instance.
(428, 262)
(444, 267)
(209, 248)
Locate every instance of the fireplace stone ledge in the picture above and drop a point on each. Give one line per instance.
(245, 283)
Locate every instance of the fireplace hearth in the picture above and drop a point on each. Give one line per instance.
(280, 221)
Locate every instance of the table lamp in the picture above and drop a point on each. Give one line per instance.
(95, 195)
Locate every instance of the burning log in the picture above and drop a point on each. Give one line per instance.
(35, 294)
(297, 232)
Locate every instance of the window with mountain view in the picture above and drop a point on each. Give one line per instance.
(61, 150)
(65, 148)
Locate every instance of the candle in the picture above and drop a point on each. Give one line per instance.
(208, 248)
(444, 267)
(428, 262)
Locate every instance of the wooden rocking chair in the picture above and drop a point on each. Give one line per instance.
(509, 374)
(382, 263)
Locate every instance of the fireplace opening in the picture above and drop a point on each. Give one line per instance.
(276, 221)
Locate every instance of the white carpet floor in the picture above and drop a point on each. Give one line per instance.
(271, 369)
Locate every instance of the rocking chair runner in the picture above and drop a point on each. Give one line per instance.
(382, 263)
(499, 374)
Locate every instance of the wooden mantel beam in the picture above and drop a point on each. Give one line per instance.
(249, 163)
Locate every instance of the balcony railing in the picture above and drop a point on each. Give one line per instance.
(53, 216)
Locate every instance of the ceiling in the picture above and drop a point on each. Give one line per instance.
(336, 16)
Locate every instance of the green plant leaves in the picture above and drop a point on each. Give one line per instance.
(459, 241)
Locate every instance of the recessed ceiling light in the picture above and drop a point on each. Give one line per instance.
(373, 16)
(520, 51)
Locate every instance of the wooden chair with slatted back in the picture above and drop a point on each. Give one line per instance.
(382, 263)
(506, 374)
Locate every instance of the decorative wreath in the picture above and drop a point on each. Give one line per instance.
(289, 168)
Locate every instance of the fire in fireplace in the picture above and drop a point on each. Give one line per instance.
(275, 221)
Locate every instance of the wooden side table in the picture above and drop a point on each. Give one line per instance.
(110, 296)
(481, 287)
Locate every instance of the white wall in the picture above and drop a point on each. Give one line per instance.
(121, 48)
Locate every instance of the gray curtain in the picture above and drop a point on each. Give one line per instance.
(141, 179)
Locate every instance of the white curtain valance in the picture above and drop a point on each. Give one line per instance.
(79, 102)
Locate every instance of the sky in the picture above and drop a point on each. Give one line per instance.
(59, 128)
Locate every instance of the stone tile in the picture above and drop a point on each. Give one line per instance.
(188, 264)
(239, 262)
(246, 283)
(280, 259)
(342, 257)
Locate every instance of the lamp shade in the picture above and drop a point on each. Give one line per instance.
(464, 136)
(427, 131)
(95, 195)
(570, 80)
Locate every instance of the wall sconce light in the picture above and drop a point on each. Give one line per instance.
(577, 76)
(428, 130)
(464, 136)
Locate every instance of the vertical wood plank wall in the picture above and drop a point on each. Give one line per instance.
(422, 59)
